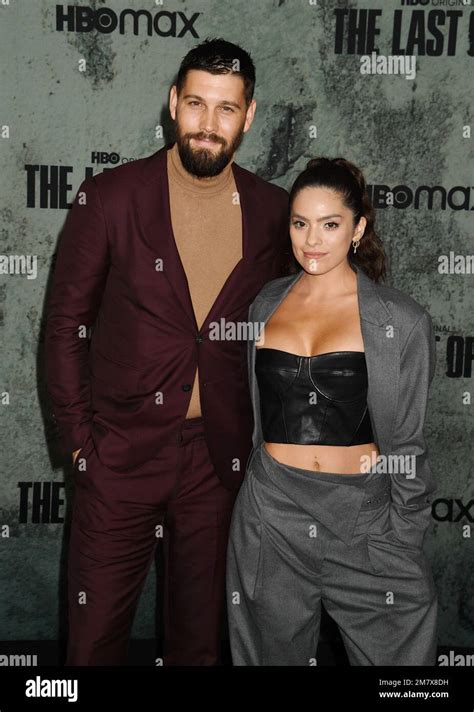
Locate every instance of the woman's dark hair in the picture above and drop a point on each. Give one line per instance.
(218, 56)
(347, 180)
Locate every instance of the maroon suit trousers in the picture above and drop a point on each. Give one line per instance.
(118, 518)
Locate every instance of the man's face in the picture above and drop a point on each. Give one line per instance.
(211, 118)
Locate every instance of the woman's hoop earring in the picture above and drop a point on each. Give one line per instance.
(355, 244)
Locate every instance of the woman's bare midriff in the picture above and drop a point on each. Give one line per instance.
(353, 460)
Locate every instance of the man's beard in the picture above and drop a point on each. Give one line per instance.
(203, 162)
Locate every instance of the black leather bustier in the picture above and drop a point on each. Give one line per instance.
(313, 400)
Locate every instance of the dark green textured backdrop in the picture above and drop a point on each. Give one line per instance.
(401, 132)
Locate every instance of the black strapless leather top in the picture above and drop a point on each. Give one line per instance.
(313, 400)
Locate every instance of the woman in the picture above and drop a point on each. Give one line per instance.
(336, 497)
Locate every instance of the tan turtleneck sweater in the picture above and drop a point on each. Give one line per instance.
(207, 226)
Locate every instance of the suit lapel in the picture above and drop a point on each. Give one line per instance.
(158, 230)
(381, 346)
(232, 290)
(155, 218)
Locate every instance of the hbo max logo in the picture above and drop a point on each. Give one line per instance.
(77, 18)
(103, 157)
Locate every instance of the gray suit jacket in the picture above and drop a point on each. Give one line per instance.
(400, 353)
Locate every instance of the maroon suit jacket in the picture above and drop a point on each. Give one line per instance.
(129, 387)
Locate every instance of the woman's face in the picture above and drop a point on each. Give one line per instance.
(322, 229)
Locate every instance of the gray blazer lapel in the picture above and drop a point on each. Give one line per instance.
(382, 354)
(260, 312)
(381, 345)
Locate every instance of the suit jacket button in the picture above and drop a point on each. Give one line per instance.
(199, 339)
(186, 387)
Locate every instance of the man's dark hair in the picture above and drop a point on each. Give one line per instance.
(218, 56)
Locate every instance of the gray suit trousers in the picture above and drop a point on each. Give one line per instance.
(298, 538)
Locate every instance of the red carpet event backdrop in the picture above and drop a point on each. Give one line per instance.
(385, 84)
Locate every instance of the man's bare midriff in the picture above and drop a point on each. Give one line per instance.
(194, 407)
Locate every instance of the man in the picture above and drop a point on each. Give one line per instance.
(157, 411)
